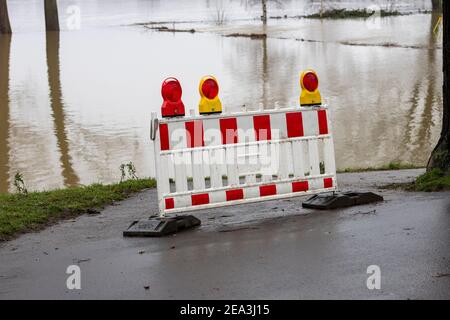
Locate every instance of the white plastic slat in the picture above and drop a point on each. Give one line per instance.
(266, 150)
(282, 162)
(253, 163)
(313, 151)
(214, 168)
(232, 169)
(310, 123)
(177, 135)
(180, 160)
(250, 178)
(212, 135)
(163, 175)
(298, 159)
(198, 176)
(330, 165)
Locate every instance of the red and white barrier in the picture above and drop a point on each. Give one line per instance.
(227, 159)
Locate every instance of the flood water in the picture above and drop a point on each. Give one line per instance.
(75, 105)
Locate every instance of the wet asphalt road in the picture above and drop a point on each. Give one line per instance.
(271, 250)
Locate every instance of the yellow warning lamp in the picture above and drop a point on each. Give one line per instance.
(310, 95)
(209, 93)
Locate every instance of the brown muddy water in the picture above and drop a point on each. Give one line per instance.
(75, 105)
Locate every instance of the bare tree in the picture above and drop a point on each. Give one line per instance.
(5, 125)
(51, 15)
(5, 26)
(264, 11)
(440, 157)
(436, 5)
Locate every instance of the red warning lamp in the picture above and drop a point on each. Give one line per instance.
(310, 81)
(210, 88)
(209, 96)
(171, 93)
(310, 96)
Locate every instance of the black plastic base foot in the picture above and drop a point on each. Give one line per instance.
(159, 227)
(340, 200)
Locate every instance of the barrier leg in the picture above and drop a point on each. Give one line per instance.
(340, 200)
(159, 227)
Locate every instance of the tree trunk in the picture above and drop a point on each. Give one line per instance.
(5, 26)
(51, 15)
(264, 11)
(436, 5)
(5, 47)
(440, 157)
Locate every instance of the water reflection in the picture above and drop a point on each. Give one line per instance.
(264, 72)
(57, 105)
(5, 48)
(420, 115)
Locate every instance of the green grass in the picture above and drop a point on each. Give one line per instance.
(434, 180)
(390, 166)
(346, 14)
(33, 211)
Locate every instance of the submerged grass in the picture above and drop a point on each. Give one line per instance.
(347, 14)
(33, 211)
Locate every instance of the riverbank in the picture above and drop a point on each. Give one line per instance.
(21, 213)
(33, 211)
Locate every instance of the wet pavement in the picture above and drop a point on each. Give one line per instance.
(270, 250)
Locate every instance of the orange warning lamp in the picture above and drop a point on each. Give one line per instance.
(310, 95)
(171, 93)
(209, 93)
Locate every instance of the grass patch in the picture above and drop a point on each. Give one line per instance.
(35, 210)
(390, 166)
(348, 14)
(253, 36)
(434, 180)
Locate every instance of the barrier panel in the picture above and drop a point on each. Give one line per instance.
(220, 159)
(235, 158)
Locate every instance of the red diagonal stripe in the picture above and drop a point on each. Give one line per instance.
(194, 134)
(323, 124)
(170, 203)
(300, 186)
(294, 123)
(228, 128)
(199, 199)
(236, 194)
(268, 190)
(261, 124)
(164, 136)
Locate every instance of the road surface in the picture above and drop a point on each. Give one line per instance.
(270, 250)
